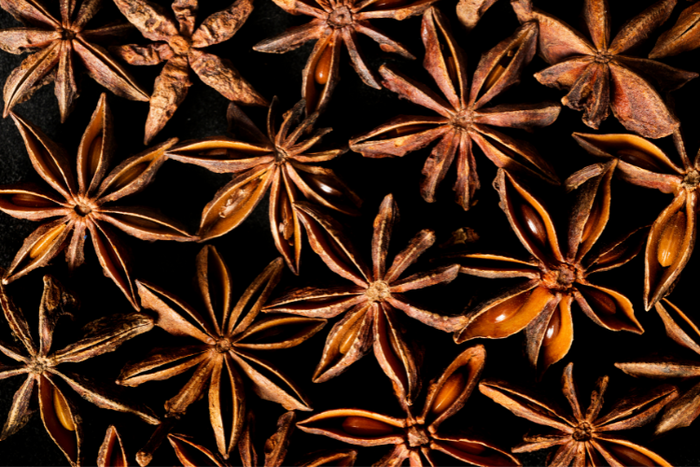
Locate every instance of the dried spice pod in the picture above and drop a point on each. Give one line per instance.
(598, 74)
(370, 305)
(111, 452)
(672, 236)
(50, 384)
(470, 12)
(417, 437)
(336, 23)
(557, 275)
(280, 162)
(683, 330)
(682, 37)
(584, 437)
(182, 48)
(73, 210)
(229, 339)
(464, 120)
(192, 454)
(59, 48)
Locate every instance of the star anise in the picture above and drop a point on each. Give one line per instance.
(599, 75)
(48, 382)
(463, 117)
(371, 303)
(584, 438)
(470, 12)
(59, 46)
(672, 236)
(542, 305)
(334, 23)
(111, 453)
(228, 340)
(683, 330)
(72, 212)
(279, 161)
(416, 435)
(682, 37)
(180, 46)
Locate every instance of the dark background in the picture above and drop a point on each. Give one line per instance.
(181, 191)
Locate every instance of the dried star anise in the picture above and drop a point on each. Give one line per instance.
(416, 435)
(672, 236)
(334, 23)
(44, 378)
(59, 46)
(542, 305)
(86, 208)
(684, 410)
(470, 12)
(111, 453)
(180, 46)
(597, 74)
(584, 438)
(279, 161)
(370, 305)
(228, 339)
(682, 37)
(464, 120)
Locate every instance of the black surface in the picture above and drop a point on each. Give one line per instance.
(181, 191)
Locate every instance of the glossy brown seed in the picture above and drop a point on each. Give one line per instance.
(449, 392)
(46, 241)
(324, 184)
(349, 337)
(533, 223)
(465, 446)
(30, 201)
(406, 130)
(508, 308)
(363, 426)
(63, 414)
(671, 240)
(629, 456)
(638, 158)
(553, 329)
(498, 70)
(601, 301)
(323, 66)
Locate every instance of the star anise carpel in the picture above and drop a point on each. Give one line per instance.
(557, 274)
(72, 210)
(584, 437)
(192, 454)
(47, 378)
(598, 73)
(111, 453)
(280, 162)
(684, 331)
(229, 337)
(417, 437)
(682, 37)
(672, 236)
(334, 23)
(369, 306)
(464, 117)
(182, 47)
(60, 48)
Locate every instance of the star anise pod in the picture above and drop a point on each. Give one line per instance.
(370, 305)
(584, 438)
(598, 74)
(111, 453)
(49, 383)
(228, 338)
(72, 212)
(277, 444)
(464, 119)
(181, 47)
(556, 276)
(672, 236)
(278, 161)
(58, 48)
(334, 23)
(683, 330)
(682, 37)
(470, 12)
(414, 435)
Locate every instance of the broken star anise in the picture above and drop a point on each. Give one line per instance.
(45, 379)
(684, 410)
(417, 435)
(584, 438)
(464, 120)
(59, 46)
(334, 23)
(370, 305)
(672, 236)
(598, 75)
(682, 37)
(228, 338)
(556, 277)
(74, 212)
(279, 161)
(180, 46)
